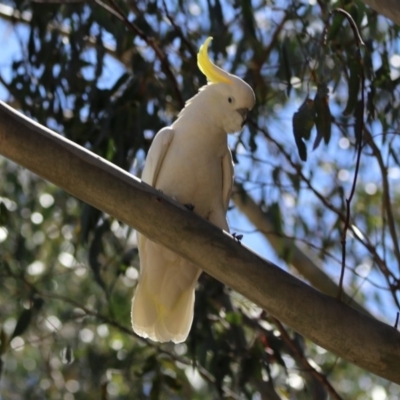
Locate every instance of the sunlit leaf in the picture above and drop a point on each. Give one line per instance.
(233, 318)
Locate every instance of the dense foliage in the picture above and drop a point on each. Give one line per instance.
(321, 143)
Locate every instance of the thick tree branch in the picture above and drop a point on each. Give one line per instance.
(354, 336)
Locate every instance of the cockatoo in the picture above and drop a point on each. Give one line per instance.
(191, 162)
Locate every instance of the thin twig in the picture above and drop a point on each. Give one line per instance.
(360, 129)
(387, 204)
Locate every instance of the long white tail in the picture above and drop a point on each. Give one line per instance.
(162, 308)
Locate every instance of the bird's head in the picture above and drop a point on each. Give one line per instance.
(227, 95)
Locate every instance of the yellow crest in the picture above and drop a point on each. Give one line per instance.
(213, 73)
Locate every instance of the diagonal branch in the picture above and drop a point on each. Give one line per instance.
(368, 343)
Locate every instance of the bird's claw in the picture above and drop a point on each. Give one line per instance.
(237, 237)
(189, 206)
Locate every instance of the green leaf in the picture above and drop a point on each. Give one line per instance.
(274, 215)
(173, 383)
(323, 117)
(67, 356)
(303, 122)
(3, 342)
(354, 82)
(335, 27)
(23, 322)
(275, 175)
(4, 215)
(295, 179)
(95, 250)
(155, 388)
(234, 318)
(248, 17)
(88, 222)
(149, 365)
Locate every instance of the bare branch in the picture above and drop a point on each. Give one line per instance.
(359, 127)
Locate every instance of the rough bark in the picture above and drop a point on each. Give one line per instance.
(389, 8)
(356, 337)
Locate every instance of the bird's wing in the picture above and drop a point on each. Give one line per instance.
(154, 160)
(227, 179)
(156, 155)
(162, 308)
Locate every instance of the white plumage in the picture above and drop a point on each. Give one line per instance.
(191, 162)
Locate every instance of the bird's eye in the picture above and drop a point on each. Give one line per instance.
(230, 99)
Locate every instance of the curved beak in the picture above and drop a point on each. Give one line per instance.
(243, 113)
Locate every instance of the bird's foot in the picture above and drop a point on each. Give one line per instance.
(237, 237)
(189, 206)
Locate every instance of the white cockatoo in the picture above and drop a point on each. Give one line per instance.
(191, 162)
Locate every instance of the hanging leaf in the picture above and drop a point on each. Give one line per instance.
(4, 214)
(155, 388)
(248, 17)
(335, 27)
(96, 248)
(234, 318)
(22, 323)
(303, 122)
(173, 383)
(67, 355)
(88, 222)
(3, 341)
(274, 215)
(353, 85)
(275, 176)
(253, 143)
(323, 117)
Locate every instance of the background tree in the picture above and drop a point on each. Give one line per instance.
(108, 77)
